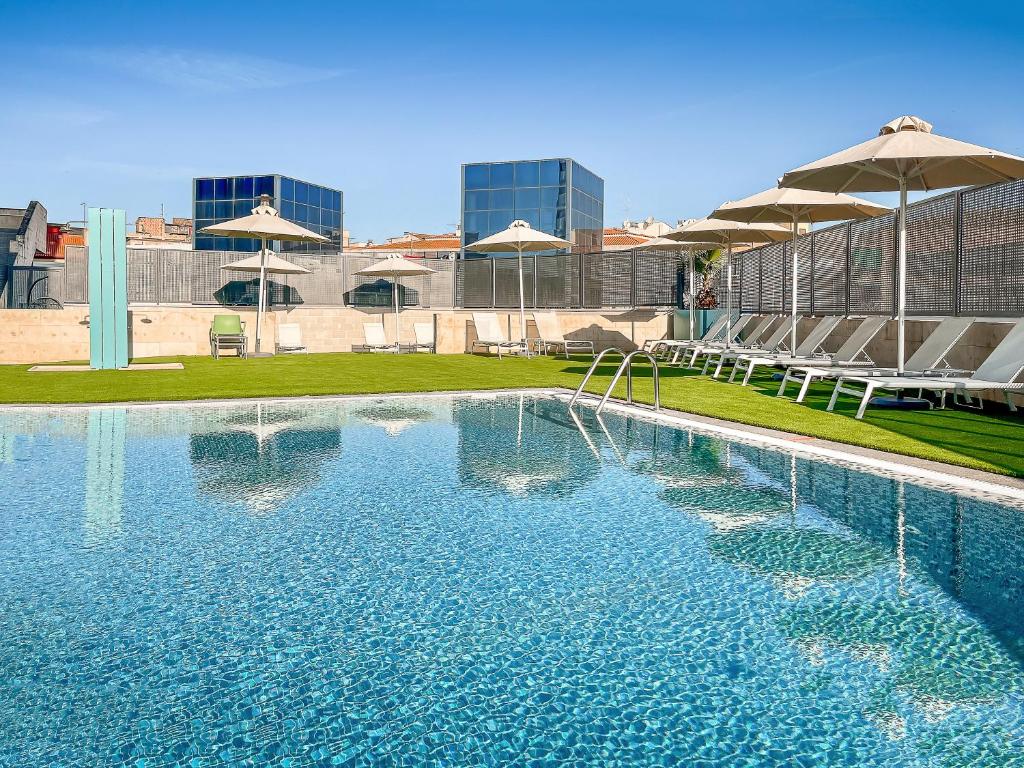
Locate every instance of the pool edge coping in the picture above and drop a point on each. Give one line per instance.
(932, 473)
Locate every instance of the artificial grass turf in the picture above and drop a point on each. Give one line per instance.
(992, 441)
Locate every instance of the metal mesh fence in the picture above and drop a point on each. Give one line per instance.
(965, 256)
(991, 261)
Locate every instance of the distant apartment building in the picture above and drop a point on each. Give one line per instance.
(220, 198)
(155, 232)
(649, 227)
(415, 245)
(558, 196)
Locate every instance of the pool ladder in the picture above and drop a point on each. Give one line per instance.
(626, 366)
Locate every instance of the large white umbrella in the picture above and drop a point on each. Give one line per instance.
(797, 206)
(905, 155)
(727, 233)
(263, 223)
(395, 267)
(517, 238)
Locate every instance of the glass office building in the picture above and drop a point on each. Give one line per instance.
(217, 199)
(557, 196)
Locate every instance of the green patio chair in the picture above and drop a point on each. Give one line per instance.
(228, 332)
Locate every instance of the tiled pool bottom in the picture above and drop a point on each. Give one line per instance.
(482, 581)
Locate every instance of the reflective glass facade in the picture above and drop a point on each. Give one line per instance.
(557, 196)
(217, 199)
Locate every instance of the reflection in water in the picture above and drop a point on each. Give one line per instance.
(104, 473)
(532, 447)
(932, 658)
(394, 417)
(261, 456)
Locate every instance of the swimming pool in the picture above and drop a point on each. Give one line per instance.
(471, 580)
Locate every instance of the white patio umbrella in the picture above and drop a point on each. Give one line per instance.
(905, 155)
(517, 238)
(727, 233)
(263, 223)
(395, 267)
(797, 206)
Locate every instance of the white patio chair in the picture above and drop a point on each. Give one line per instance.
(490, 336)
(550, 336)
(376, 340)
(289, 339)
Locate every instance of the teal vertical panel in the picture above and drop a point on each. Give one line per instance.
(95, 290)
(120, 295)
(107, 278)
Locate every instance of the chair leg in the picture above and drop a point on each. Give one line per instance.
(718, 368)
(835, 395)
(868, 390)
(736, 365)
(804, 387)
(1009, 401)
(749, 373)
(785, 383)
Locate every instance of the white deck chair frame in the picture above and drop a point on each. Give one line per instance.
(806, 351)
(289, 339)
(550, 336)
(774, 343)
(999, 372)
(490, 336)
(929, 358)
(376, 340)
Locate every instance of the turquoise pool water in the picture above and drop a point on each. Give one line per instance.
(483, 581)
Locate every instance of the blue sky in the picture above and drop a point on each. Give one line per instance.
(677, 106)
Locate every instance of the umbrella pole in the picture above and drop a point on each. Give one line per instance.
(792, 297)
(522, 303)
(261, 299)
(394, 292)
(901, 285)
(693, 292)
(728, 295)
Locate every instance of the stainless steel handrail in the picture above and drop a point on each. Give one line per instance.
(593, 367)
(629, 380)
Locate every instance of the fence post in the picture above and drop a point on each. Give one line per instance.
(583, 282)
(632, 279)
(811, 286)
(848, 250)
(957, 302)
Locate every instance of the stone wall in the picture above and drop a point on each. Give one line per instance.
(37, 336)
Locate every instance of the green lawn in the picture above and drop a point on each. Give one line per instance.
(992, 441)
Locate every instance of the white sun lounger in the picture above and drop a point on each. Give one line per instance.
(715, 331)
(490, 336)
(931, 355)
(774, 343)
(424, 337)
(375, 338)
(289, 339)
(693, 351)
(999, 372)
(805, 351)
(551, 337)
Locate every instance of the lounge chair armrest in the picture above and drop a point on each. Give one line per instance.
(948, 372)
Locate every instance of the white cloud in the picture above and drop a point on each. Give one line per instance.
(210, 72)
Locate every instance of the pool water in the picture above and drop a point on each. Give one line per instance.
(485, 581)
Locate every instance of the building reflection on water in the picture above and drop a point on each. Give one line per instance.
(521, 446)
